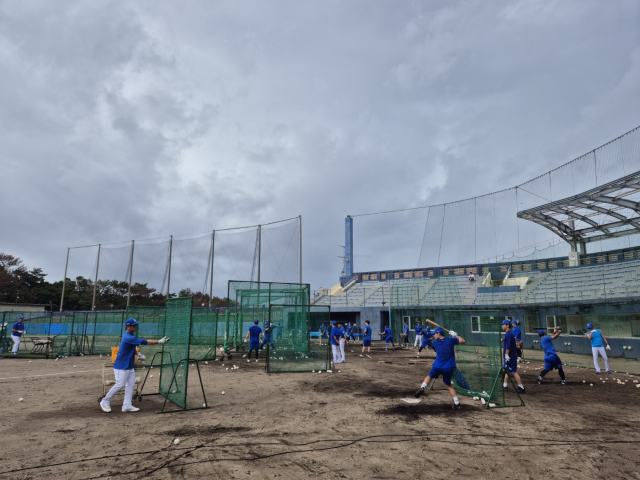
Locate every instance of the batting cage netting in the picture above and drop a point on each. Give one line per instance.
(175, 354)
(297, 346)
(206, 333)
(479, 360)
(249, 301)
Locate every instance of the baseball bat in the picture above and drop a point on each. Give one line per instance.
(434, 323)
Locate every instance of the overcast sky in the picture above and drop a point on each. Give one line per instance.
(123, 120)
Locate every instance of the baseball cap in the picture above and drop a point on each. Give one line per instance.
(256, 321)
(514, 322)
(542, 333)
(506, 322)
(428, 328)
(20, 317)
(333, 322)
(589, 325)
(131, 322)
(439, 330)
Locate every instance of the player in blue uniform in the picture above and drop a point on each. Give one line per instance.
(335, 342)
(444, 363)
(350, 332)
(343, 339)
(123, 367)
(405, 335)
(16, 334)
(366, 339)
(418, 330)
(597, 347)
(510, 358)
(426, 340)
(518, 334)
(324, 334)
(267, 337)
(551, 359)
(388, 337)
(254, 335)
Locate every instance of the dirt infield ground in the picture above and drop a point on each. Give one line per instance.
(351, 424)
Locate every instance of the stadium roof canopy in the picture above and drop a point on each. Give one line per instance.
(610, 210)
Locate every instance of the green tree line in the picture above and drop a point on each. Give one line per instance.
(21, 285)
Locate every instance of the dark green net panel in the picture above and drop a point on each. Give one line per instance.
(174, 371)
(249, 301)
(296, 345)
(479, 360)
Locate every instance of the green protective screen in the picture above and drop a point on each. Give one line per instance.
(479, 360)
(174, 371)
(295, 345)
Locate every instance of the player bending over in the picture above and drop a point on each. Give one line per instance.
(254, 335)
(426, 340)
(366, 339)
(597, 347)
(444, 363)
(405, 335)
(388, 337)
(123, 367)
(510, 357)
(551, 359)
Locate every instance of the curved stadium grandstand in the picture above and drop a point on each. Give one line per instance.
(561, 250)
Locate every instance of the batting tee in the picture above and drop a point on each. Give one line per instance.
(479, 361)
(174, 366)
(299, 349)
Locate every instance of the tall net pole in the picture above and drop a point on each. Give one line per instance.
(95, 282)
(64, 280)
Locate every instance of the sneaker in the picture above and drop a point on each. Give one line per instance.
(520, 389)
(369, 357)
(131, 409)
(256, 359)
(563, 382)
(456, 406)
(418, 356)
(105, 408)
(384, 350)
(361, 356)
(505, 389)
(540, 380)
(419, 393)
(248, 360)
(608, 372)
(598, 373)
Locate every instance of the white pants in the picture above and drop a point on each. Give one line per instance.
(417, 341)
(603, 353)
(335, 349)
(342, 357)
(124, 378)
(16, 343)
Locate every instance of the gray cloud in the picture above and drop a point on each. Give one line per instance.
(119, 121)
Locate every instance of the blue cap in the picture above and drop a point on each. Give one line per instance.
(589, 325)
(256, 321)
(439, 330)
(333, 322)
(266, 323)
(20, 317)
(418, 321)
(506, 322)
(514, 322)
(542, 333)
(428, 328)
(131, 322)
